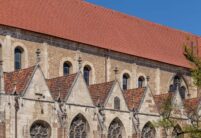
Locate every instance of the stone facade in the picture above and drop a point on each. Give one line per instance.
(36, 103)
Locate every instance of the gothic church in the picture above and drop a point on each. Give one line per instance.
(71, 69)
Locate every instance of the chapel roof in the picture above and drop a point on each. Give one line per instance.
(17, 81)
(83, 22)
(134, 97)
(100, 92)
(60, 86)
(191, 105)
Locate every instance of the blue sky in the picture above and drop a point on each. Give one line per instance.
(180, 14)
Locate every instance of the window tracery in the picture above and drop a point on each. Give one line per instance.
(148, 131)
(79, 127)
(177, 83)
(40, 129)
(115, 129)
(125, 80)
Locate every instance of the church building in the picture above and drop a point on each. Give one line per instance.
(71, 69)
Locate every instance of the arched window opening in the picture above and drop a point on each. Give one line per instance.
(18, 58)
(116, 129)
(176, 133)
(125, 78)
(148, 131)
(141, 82)
(177, 84)
(40, 129)
(67, 67)
(182, 92)
(117, 103)
(87, 74)
(79, 127)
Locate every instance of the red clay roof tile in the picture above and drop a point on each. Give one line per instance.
(18, 79)
(134, 97)
(86, 23)
(191, 105)
(99, 92)
(60, 86)
(161, 99)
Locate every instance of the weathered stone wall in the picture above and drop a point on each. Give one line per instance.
(55, 51)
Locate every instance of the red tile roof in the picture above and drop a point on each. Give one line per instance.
(18, 79)
(86, 23)
(99, 92)
(161, 99)
(134, 97)
(191, 105)
(60, 86)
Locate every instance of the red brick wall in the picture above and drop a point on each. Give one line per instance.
(2, 130)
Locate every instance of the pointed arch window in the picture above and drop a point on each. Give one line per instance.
(177, 83)
(79, 127)
(117, 103)
(40, 129)
(18, 57)
(87, 74)
(148, 131)
(67, 66)
(141, 82)
(116, 129)
(176, 133)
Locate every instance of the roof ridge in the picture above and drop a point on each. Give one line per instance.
(101, 83)
(19, 70)
(137, 18)
(65, 76)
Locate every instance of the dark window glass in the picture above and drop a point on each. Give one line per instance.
(18, 58)
(182, 92)
(125, 81)
(66, 68)
(87, 74)
(141, 82)
(176, 82)
(117, 103)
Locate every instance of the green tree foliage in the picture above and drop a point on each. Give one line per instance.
(167, 122)
(195, 60)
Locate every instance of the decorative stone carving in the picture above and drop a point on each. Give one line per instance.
(40, 129)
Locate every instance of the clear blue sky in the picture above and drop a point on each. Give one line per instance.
(180, 14)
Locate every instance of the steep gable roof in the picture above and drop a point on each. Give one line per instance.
(161, 99)
(134, 97)
(191, 105)
(83, 22)
(17, 80)
(60, 86)
(99, 92)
